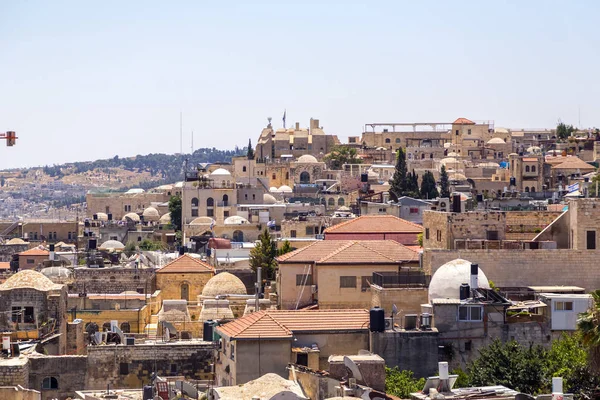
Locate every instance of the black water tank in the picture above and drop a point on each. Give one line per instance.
(148, 393)
(51, 247)
(480, 198)
(110, 217)
(364, 177)
(92, 244)
(474, 269)
(456, 206)
(207, 332)
(465, 290)
(181, 250)
(513, 181)
(15, 350)
(377, 319)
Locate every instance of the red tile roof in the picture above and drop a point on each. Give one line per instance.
(463, 121)
(186, 264)
(376, 224)
(282, 324)
(36, 251)
(352, 252)
(4, 266)
(530, 159)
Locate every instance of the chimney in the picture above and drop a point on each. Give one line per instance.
(444, 385)
(557, 388)
(297, 126)
(474, 276)
(51, 256)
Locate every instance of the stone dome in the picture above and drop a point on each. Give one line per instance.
(284, 189)
(151, 214)
(165, 219)
(273, 189)
(445, 283)
(496, 140)
(220, 172)
(135, 191)
(16, 241)
(131, 217)
(202, 221)
(235, 220)
(102, 216)
(112, 245)
(223, 283)
(307, 159)
(269, 199)
(29, 279)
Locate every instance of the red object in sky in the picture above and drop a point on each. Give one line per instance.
(10, 136)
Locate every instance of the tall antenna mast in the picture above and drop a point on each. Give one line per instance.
(192, 143)
(180, 132)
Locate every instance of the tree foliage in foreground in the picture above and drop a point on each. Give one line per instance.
(263, 255)
(402, 383)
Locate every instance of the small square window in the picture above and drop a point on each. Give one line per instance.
(124, 368)
(347, 282)
(303, 280)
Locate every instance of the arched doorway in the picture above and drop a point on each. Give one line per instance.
(225, 200)
(238, 236)
(305, 177)
(185, 291)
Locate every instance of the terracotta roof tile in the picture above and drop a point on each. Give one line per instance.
(4, 265)
(36, 251)
(184, 264)
(282, 324)
(574, 163)
(376, 224)
(352, 252)
(463, 121)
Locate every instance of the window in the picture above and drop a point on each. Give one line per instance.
(17, 314)
(225, 200)
(310, 230)
(125, 327)
(341, 201)
(123, 368)
(253, 196)
(526, 189)
(194, 212)
(397, 140)
(426, 233)
(210, 202)
(303, 280)
(347, 281)
(232, 351)
(468, 132)
(527, 168)
(438, 235)
(365, 283)
(225, 214)
(563, 306)
(210, 212)
(245, 196)
(195, 202)
(50, 383)
(244, 169)
(139, 238)
(274, 177)
(173, 369)
(287, 175)
(293, 233)
(468, 345)
(590, 238)
(114, 238)
(492, 235)
(304, 177)
(457, 132)
(387, 140)
(470, 313)
(331, 202)
(533, 168)
(414, 210)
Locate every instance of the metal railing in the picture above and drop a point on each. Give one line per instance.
(389, 280)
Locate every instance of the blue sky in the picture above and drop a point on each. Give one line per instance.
(82, 81)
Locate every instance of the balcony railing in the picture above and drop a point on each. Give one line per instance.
(390, 280)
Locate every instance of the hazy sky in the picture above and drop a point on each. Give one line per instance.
(81, 81)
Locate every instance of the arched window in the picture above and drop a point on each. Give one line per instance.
(210, 202)
(106, 327)
(532, 189)
(125, 328)
(50, 383)
(533, 168)
(323, 201)
(527, 189)
(305, 177)
(397, 140)
(431, 155)
(527, 168)
(287, 175)
(238, 236)
(387, 140)
(341, 201)
(225, 200)
(244, 168)
(331, 202)
(195, 202)
(274, 176)
(185, 291)
(422, 156)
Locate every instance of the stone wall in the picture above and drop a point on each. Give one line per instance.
(69, 371)
(408, 300)
(113, 280)
(7, 251)
(18, 393)
(518, 268)
(411, 350)
(131, 366)
(75, 338)
(14, 371)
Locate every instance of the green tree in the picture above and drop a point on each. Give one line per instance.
(341, 155)
(402, 383)
(263, 255)
(2, 181)
(563, 131)
(444, 184)
(175, 210)
(151, 245)
(398, 183)
(250, 153)
(285, 248)
(413, 186)
(428, 186)
(130, 249)
(588, 325)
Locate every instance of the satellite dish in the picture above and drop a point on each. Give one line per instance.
(364, 352)
(394, 310)
(351, 365)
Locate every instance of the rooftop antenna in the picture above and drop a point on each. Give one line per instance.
(192, 142)
(180, 132)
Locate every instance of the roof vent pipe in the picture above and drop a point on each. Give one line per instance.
(474, 276)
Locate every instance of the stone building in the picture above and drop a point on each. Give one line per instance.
(120, 204)
(33, 258)
(273, 144)
(30, 303)
(528, 172)
(183, 278)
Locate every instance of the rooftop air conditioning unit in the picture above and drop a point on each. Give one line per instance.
(387, 323)
(313, 289)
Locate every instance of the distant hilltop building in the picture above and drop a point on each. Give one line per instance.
(294, 142)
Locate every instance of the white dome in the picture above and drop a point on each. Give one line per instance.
(202, 221)
(165, 219)
(220, 172)
(269, 199)
(235, 220)
(273, 189)
(284, 189)
(165, 187)
(307, 159)
(151, 214)
(445, 283)
(179, 185)
(448, 160)
(102, 216)
(131, 216)
(112, 245)
(496, 140)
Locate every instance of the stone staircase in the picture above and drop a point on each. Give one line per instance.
(152, 327)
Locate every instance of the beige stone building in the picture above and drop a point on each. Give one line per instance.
(183, 278)
(132, 201)
(338, 273)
